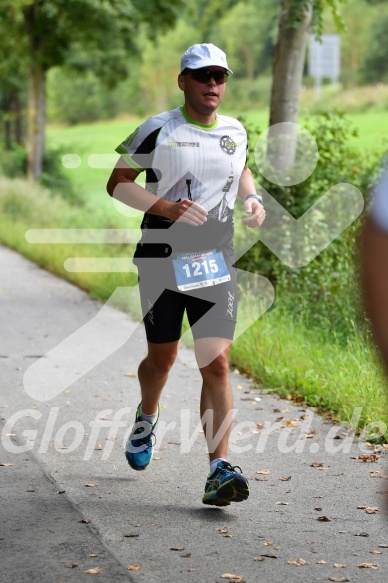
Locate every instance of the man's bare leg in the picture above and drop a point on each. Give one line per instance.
(216, 395)
(153, 373)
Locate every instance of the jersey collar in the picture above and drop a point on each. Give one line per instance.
(204, 126)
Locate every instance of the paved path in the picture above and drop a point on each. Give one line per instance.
(58, 439)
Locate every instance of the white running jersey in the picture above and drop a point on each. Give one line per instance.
(185, 159)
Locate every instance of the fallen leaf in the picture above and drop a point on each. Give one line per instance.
(30, 490)
(339, 579)
(368, 566)
(298, 562)
(94, 571)
(361, 534)
(185, 555)
(92, 555)
(371, 509)
(232, 577)
(228, 536)
(61, 491)
(321, 562)
(259, 558)
(262, 479)
(156, 458)
(290, 423)
(268, 544)
(383, 546)
(285, 479)
(130, 374)
(260, 425)
(222, 528)
(4, 465)
(317, 465)
(174, 442)
(371, 457)
(339, 566)
(90, 485)
(265, 556)
(177, 548)
(323, 519)
(130, 535)
(263, 472)
(376, 552)
(282, 503)
(85, 521)
(318, 508)
(72, 565)
(134, 568)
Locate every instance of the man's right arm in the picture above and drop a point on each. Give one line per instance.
(122, 186)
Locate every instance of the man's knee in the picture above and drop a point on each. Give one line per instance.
(219, 366)
(161, 358)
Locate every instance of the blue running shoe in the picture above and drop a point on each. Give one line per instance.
(139, 449)
(225, 485)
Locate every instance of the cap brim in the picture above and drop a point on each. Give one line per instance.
(208, 63)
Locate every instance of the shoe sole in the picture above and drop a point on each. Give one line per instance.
(236, 490)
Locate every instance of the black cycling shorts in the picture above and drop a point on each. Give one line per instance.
(211, 311)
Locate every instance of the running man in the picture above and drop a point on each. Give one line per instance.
(195, 164)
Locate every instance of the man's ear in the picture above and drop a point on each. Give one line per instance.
(181, 82)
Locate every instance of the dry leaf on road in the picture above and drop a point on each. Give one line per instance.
(263, 472)
(323, 519)
(369, 566)
(94, 571)
(134, 568)
(298, 562)
(232, 577)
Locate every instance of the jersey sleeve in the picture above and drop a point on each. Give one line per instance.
(138, 147)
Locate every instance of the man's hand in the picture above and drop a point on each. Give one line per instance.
(188, 212)
(253, 207)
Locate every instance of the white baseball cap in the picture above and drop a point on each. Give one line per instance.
(204, 55)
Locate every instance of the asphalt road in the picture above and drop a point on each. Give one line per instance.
(71, 504)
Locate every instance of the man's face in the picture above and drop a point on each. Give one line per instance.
(203, 91)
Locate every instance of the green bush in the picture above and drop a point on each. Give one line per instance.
(325, 291)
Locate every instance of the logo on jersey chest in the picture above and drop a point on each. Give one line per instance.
(227, 145)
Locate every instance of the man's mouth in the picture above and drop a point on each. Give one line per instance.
(211, 94)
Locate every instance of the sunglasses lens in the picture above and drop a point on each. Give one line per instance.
(204, 76)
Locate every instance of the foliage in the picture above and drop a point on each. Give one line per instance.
(326, 289)
(375, 65)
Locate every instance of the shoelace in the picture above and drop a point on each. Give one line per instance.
(228, 467)
(146, 440)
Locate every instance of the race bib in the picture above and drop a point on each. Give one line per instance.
(194, 270)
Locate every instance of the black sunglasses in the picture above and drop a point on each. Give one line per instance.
(204, 75)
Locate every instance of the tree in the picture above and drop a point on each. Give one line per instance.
(295, 23)
(47, 29)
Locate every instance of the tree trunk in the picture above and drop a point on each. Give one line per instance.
(36, 119)
(288, 66)
(19, 129)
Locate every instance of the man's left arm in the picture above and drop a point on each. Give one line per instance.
(252, 201)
